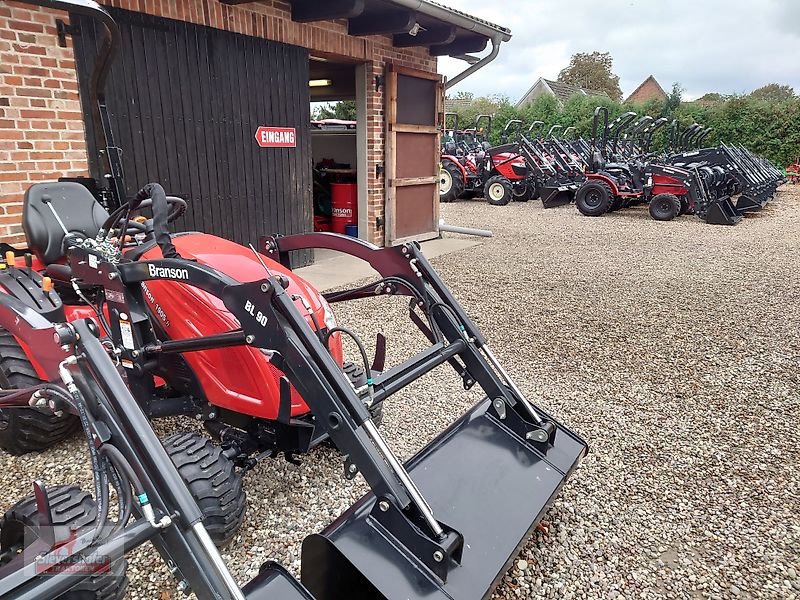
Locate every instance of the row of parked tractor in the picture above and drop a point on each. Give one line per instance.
(617, 168)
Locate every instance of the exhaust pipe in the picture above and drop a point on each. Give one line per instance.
(464, 230)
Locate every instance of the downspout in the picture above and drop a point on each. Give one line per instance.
(478, 65)
(436, 11)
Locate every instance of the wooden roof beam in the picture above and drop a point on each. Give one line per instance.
(460, 46)
(306, 11)
(384, 22)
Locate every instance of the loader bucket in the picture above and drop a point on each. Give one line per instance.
(722, 212)
(273, 582)
(481, 479)
(554, 196)
(747, 203)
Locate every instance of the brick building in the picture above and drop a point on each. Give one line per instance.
(647, 90)
(558, 90)
(194, 79)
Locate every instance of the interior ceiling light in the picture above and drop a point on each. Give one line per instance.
(319, 83)
(415, 29)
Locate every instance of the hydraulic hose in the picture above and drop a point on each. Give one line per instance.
(160, 207)
(364, 357)
(98, 465)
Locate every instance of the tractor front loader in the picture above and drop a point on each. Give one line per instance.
(422, 531)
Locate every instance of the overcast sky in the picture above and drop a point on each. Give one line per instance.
(725, 46)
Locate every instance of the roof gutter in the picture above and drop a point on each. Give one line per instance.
(472, 68)
(496, 34)
(454, 17)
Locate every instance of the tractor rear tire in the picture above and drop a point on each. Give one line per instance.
(665, 207)
(213, 481)
(451, 182)
(24, 430)
(72, 509)
(593, 198)
(498, 191)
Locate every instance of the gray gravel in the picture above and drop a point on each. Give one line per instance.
(672, 347)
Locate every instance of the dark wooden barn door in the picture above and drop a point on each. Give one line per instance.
(186, 102)
(413, 107)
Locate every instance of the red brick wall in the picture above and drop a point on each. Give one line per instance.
(41, 127)
(647, 91)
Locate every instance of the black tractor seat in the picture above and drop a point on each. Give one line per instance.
(78, 209)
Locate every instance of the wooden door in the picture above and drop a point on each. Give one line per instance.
(186, 101)
(413, 108)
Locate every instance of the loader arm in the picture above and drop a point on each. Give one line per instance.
(445, 549)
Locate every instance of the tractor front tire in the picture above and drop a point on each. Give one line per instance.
(213, 481)
(617, 203)
(451, 182)
(73, 510)
(535, 191)
(665, 207)
(684, 205)
(593, 198)
(358, 377)
(523, 191)
(498, 191)
(24, 430)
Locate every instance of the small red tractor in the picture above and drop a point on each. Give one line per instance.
(793, 172)
(669, 191)
(230, 337)
(469, 164)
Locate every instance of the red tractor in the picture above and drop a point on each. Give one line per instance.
(469, 164)
(669, 191)
(793, 171)
(230, 337)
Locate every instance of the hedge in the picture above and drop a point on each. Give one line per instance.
(768, 128)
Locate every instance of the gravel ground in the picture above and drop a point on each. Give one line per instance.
(673, 348)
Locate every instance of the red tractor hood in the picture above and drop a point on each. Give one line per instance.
(239, 378)
(238, 262)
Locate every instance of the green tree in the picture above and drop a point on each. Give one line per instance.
(592, 71)
(673, 100)
(773, 92)
(345, 110)
(711, 98)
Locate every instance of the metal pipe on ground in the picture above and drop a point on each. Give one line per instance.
(465, 230)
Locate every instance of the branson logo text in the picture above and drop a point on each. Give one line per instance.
(167, 272)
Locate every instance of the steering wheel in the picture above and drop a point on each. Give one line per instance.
(166, 209)
(175, 206)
